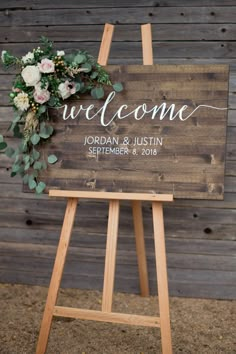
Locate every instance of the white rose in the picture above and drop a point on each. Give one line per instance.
(66, 89)
(60, 53)
(21, 101)
(46, 66)
(28, 58)
(31, 75)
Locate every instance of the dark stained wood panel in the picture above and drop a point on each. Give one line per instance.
(157, 153)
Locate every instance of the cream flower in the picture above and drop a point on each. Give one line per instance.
(21, 101)
(66, 89)
(60, 53)
(31, 75)
(28, 58)
(3, 56)
(46, 66)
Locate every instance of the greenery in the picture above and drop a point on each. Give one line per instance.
(46, 78)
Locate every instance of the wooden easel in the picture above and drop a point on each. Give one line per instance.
(106, 313)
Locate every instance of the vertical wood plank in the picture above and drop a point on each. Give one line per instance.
(140, 247)
(162, 281)
(109, 272)
(105, 44)
(146, 31)
(57, 274)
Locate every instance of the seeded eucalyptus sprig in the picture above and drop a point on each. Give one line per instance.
(46, 79)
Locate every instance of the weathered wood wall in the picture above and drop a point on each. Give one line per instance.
(200, 235)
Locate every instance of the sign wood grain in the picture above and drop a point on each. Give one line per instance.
(164, 133)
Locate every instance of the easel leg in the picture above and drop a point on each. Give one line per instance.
(140, 247)
(109, 272)
(57, 274)
(160, 252)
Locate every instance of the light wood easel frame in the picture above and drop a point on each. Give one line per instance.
(106, 313)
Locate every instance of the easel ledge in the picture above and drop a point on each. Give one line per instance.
(111, 195)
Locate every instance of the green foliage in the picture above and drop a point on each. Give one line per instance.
(31, 182)
(74, 73)
(35, 139)
(9, 152)
(118, 87)
(52, 159)
(3, 145)
(97, 92)
(40, 187)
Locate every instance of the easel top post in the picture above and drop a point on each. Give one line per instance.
(105, 44)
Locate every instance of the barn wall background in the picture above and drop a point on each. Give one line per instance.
(200, 235)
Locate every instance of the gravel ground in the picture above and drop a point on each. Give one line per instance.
(198, 326)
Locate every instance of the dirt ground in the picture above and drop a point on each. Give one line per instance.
(198, 326)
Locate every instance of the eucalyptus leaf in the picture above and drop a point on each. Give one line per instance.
(26, 158)
(40, 187)
(87, 66)
(17, 158)
(97, 92)
(41, 110)
(35, 154)
(25, 178)
(118, 87)
(3, 145)
(52, 159)
(53, 101)
(11, 126)
(31, 183)
(16, 152)
(23, 146)
(16, 118)
(77, 86)
(15, 167)
(46, 132)
(16, 131)
(42, 125)
(9, 152)
(35, 173)
(27, 166)
(35, 139)
(79, 59)
(37, 165)
(21, 171)
(94, 75)
(69, 58)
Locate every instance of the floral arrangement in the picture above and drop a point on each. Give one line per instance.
(47, 78)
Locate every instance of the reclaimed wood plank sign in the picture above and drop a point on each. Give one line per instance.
(164, 133)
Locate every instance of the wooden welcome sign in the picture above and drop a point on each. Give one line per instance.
(164, 133)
